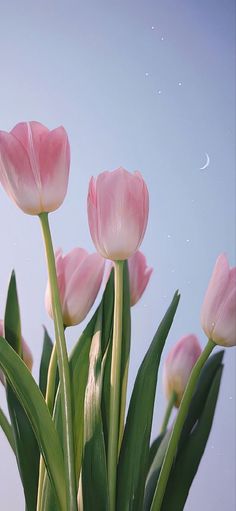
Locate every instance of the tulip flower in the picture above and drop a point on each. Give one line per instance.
(117, 213)
(178, 366)
(34, 166)
(218, 314)
(79, 276)
(139, 275)
(26, 353)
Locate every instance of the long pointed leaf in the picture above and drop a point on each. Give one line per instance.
(26, 447)
(44, 362)
(94, 470)
(195, 410)
(79, 365)
(187, 462)
(134, 453)
(34, 405)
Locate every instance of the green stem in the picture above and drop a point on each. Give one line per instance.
(49, 398)
(176, 432)
(6, 427)
(63, 366)
(115, 385)
(169, 409)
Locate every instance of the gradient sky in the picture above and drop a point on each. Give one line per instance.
(148, 85)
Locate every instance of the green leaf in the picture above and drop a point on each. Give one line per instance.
(79, 366)
(154, 448)
(133, 462)
(44, 362)
(200, 394)
(188, 459)
(94, 470)
(196, 407)
(34, 405)
(7, 429)
(26, 447)
(154, 471)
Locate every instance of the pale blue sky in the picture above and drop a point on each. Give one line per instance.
(149, 85)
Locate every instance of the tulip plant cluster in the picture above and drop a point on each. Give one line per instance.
(78, 444)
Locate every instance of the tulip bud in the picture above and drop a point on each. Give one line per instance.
(218, 314)
(79, 276)
(117, 213)
(178, 366)
(139, 275)
(34, 166)
(26, 353)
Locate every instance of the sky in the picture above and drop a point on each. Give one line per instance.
(150, 86)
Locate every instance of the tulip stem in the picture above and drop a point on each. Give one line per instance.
(63, 366)
(49, 398)
(115, 385)
(6, 427)
(168, 411)
(176, 431)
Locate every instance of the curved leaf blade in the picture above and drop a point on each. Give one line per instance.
(26, 447)
(34, 405)
(133, 461)
(189, 458)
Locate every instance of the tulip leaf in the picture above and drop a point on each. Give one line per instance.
(32, 401)
(154, 471)
(26, 447)
(200, 394)
(154, 448)
(79, 366)
(195, 410)
(94, 470)
(190, 455)
(133, 461)
(44, 362)
(7, 429)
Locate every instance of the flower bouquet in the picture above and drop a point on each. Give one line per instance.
(78, 444)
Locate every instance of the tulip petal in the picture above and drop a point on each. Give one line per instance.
(224, 332)
(83, 288)
(15, 174)
(54, 160)
(214, 294)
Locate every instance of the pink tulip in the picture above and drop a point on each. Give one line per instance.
(139, 275)
(218, 314)
(117, 213)
(79, 277)
(26, 353)
(178, 366)
(34, 166)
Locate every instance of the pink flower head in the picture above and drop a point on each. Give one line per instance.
(139, 275)
(178, 366)
(218, 314)
(26, 353)
(34, 166)
(117, 213)
(79, 276)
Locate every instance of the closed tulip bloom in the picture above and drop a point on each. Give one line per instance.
(118, 206)
(139, 275)
(26, 353)
(178, 366)
(218, 314)
(79, 276)
(34, 166)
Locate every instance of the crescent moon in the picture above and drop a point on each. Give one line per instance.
(207, 162)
